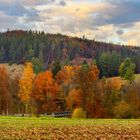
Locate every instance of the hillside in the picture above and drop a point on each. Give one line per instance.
(19, 46)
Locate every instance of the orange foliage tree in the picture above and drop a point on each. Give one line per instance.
(64, 79)
(132, 97)
(65, 75)
(45, 92)
(4, 91)
(74, 99)
(26, 85)
(84, 79)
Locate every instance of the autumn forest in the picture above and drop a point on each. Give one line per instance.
(61, 73)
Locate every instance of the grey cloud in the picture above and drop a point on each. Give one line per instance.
(64, 24)
(62, 3)
(7, 22)
(124, 11)
(122, 14)
(126, 25)
(78, 9)
(17, 9)
(119, 32)
(36, 2)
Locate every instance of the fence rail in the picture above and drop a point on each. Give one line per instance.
(54, 114)
(61, 114)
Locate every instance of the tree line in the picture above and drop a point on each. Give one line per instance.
(69, 87)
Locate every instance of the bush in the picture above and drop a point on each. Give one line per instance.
(10, 63)
(79, 113)
(122, 110)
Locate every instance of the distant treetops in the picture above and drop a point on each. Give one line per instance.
(43, 50)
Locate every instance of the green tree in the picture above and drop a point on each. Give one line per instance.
(30, 53)
(37, 65)
(127, 70)
(114, 64)
(2, 54)
(56, 68)
(109, 64)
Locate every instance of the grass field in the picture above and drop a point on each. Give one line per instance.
(137, 78)
(68, 129)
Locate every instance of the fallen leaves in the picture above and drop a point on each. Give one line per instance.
(74, 132)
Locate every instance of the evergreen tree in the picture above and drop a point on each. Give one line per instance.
(109, 64)
(127, 70)
(2, 54)
(37, 65)
(56, 68)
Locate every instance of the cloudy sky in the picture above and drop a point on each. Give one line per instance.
(106, 20)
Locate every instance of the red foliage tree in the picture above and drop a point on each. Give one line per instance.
(45, 92)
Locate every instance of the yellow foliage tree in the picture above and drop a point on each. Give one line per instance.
(79, 113)
(26, 84)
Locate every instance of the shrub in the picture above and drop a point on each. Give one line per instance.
(79, 113)
(10, 63)
(122, 110)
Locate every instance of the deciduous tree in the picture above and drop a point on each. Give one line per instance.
(84, 80)
(45, 92)
(26, 85)
(4, 90)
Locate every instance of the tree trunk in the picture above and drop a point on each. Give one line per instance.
(7, 109)
(26, 108)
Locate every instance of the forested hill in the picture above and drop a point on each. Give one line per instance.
(19, 46)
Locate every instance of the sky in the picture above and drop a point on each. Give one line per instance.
(115, 21)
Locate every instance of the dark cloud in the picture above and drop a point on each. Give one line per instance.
(119, 32)
(62, 3)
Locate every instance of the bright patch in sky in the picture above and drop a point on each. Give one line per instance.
(106, 20)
